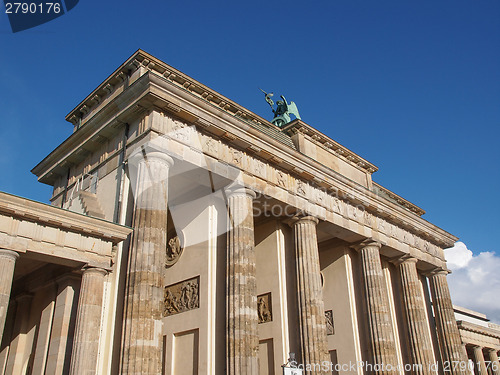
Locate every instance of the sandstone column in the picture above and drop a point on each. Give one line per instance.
(44, 331)
(415, 313)
(62, 332)
(382, 342)
(495, 366)
(312, 326)
(449, 337)
(142, 342)
(242, 319)
(20, 346)
(88, 322)
(479, 360)
(7, 263)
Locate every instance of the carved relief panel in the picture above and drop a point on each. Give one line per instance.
(182, 296)
(264, 308)
(330, 329)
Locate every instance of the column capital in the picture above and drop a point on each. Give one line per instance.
(10, 254)
(436, 271)
(90, 269)
(237, 189)
(143, 155)
(369, 242)
(301, 219)
(406, 258)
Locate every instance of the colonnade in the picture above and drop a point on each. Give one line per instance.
(84, 354)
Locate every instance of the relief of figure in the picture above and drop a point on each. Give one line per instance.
(258, 168)
(186, 295)
(301, 189)
(237, 156)
(170, 303)
(336, 205)
(280, 176)
(263, 309)
(195, 299)
(174, 250)
(330, 330)
(211, 146)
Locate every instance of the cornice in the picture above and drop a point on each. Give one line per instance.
(45, 214)
(298, 126)
(386, 193)
(142, 59)
(468, 326)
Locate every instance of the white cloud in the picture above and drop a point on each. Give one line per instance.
(475, 280)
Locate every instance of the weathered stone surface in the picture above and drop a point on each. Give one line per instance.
(494, 361)
(415, 315)
(479, 361)
(312, 325)
(382, 342)
(7, 263)
(88, 322)
(142, 351)
(63, 324)
(450, 343)
(241, 287)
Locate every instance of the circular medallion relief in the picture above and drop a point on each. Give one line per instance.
(174, 248)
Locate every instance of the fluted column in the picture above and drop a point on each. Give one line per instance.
(416, 318)
(381, 336)
(312, 327)
(495, 366)
(450, 342)
(20, 345)
(479, 360)
(142, 343)
(88, 322)
(242, 319)
(63, 323)
(7, 264)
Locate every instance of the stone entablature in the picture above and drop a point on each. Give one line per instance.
(478, 335)
(46, 231)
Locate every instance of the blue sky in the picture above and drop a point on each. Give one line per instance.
(413, 87)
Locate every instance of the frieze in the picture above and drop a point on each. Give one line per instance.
(264, 308)
(182, 296)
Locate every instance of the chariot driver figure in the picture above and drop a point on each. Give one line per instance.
(283, 110)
